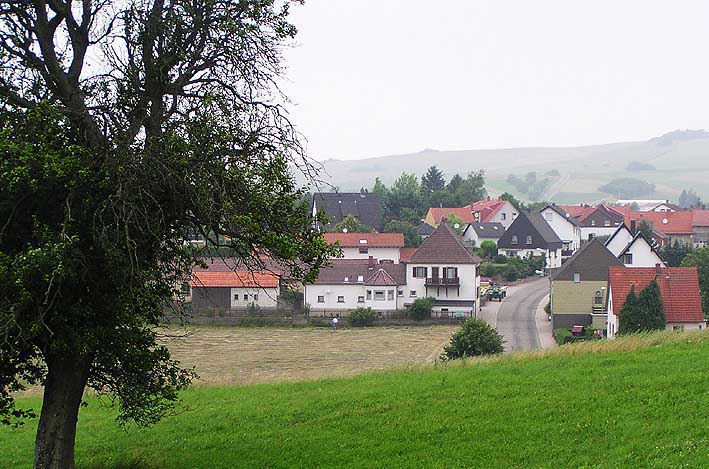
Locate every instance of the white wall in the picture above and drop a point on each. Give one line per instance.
(564, 229)
(643, 255)
(467, 273)
(685, 326)
(612, 326)
(553, 256)
(267, 297)
(506, 215)
(375, 252)
(620, 242)
(351, 295)
(471, 235)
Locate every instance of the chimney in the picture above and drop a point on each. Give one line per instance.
(658, 269)
(633, 227)
(370, 263)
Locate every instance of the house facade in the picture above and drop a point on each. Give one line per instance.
(700, 228)
(640, 253)
(382, 246)
(679, 291)
(488, 210)
(478, 232)
(233, 291)
(566, 227)
(530, 235)
(669, 226)
(579, 288)
(599, 221)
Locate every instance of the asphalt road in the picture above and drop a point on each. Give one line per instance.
(515, 317)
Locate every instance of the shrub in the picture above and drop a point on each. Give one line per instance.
(476, 337)
(512, 273)
(562, 336)
(421, 309)
(488, 249)
(501, 259)
(547, 308)
(362, 317)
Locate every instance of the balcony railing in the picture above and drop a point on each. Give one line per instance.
(442, 282)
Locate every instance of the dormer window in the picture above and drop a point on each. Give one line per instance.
(577, 277)
(514, 239)
(362, 241)
(529, 239)
(347, 279)
(608, 223)
(593, 222)
(360, 278)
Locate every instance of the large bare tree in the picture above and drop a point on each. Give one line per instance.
(126, 126)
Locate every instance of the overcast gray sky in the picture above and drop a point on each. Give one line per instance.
(379, 77)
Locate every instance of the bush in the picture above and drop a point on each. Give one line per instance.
(562, 336)
(421, 309)
(476, 337)
(362, 317)
(501, 259)
(547, 308)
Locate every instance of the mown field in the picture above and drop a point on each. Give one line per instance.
(640, 402)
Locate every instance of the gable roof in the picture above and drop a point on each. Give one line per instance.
(584, 213)
(580, 212)
(464, 213)
(563, 213)
(206, 278)
(639, 236)
(679, 290)
(372, 240)
(666, 222)
(406, 253)
(621, 227)
(424, 229)
(487, 229)
(364, 206)
(381, 278)
(351, 269)
(530, 224)
(591, 261)
(700, 217)
(487, 208)
(443, 246)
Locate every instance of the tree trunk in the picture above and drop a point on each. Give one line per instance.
(63, 390)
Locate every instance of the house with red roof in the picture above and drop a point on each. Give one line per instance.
(668, 227)
(219, 290)
(700, 228)
(679, 291)
(488, 210)
(382, 246)
(600, 220)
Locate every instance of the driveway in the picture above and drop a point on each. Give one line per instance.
(516, 317)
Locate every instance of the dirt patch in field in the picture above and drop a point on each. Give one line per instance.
(239, 356)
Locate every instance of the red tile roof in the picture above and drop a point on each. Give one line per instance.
(381, 278)
(665, 222)
(464, 213)
(373, 240)
(486, 208)
(580, 212)
(700, 217)
(406, 253)
(679, 289)
(207, 278)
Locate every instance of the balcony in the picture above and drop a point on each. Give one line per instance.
(442, 282)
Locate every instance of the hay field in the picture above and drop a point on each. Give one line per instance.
(241, 356)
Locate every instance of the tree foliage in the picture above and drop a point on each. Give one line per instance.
(475, 338)
(104, 175)
(488, 249)
(351, 224)
(411, 238)
(432, 181)
(700, 260)
(629, 318)
(643, 312)
(421, 309)
(628, 188)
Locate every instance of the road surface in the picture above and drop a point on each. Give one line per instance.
(516, 315)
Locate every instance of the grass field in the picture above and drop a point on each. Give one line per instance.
(640, 402)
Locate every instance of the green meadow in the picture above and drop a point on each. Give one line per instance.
(639, 401)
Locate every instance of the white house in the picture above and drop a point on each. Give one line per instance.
(382, 246)
(679, 291)
(348, 284)
(443, 269)
(640, 253)
(477, 232)
(566, 227)
(229, 291)
(619, 240)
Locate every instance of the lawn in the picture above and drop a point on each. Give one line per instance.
(630, 402)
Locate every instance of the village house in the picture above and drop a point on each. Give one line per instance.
(364, 206)
(579, 287)
(668, 227)
(477, 232)
(530, 235)
(700, 228)
(595, 221)
(566, 227)
(348, 284)
(644, 205)
(221, 291)
(619, 240)
(640, 253)
(679, 291)
(424, 230)
(488, 210)
(382, 246)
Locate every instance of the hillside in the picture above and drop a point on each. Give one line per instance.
(639, 401)
(680, 160)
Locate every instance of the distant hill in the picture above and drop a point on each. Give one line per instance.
(680, 160)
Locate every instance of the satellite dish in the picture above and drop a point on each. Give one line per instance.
(665, 221)
(456, 226)
(344, 230)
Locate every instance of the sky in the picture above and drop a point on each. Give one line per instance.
(380, 77)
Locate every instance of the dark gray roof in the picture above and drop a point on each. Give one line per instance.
(530, 224)
(591, 261)
(335, 273)
(564, 214)
(424, 229)
(337, 205)
(443, 246)
(487, 229)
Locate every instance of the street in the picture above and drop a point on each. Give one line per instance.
(516, 318)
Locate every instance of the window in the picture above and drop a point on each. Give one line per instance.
(360, 278)
(677, 328)
(400, 293)
(412, 293)
(369, 294)
(246, 297)
(607, 223)
(236, 296)
(577, 277)
(514, 239)
(598, 298)
(340, 299)
(390, 295)
(549, 216)
(628, 258)
(360, 299)
(347, 279)
(420, 272)
(321, 299)
(363, 250)
(529, 239)
(593, 222)
(504, 216)
(590, 236)
(255, 296)
(379, 295)
(450, 272)
(362, 241)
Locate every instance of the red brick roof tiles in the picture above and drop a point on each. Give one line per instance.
(373, 240)
(233, 279)
(665, 222)
(679, 289)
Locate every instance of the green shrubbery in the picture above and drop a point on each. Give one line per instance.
(362, 317)
(421, 309)
(476, 337)
(514, 268)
